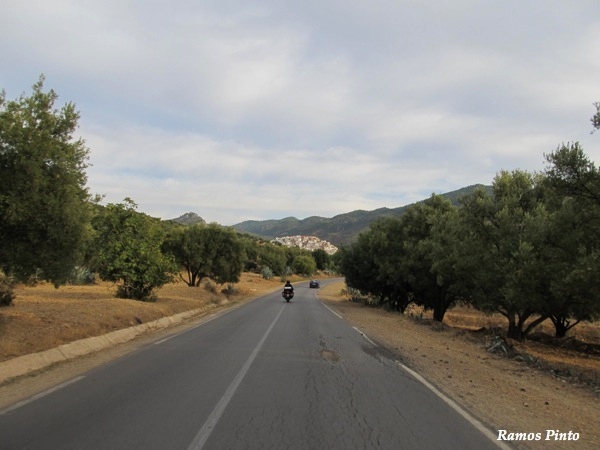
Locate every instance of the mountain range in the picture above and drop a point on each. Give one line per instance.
(339, 230)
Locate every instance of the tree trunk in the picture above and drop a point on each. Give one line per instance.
(514, 328)
(441, 306)
(532, 325)
(439, 312)
(561, 325)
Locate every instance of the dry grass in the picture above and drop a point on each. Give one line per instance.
(44, 317)
(469, 318)
(576, 355)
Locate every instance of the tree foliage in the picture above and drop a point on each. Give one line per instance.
(274, 257)
(431, 284)
(374, 264)
(508, 231)
(574, 182)
(571, 174)
(322, 259)
(304, 265)
(596, 117)
(127, 250)
(207, 251)
(44, 204)
(526, 249)
(394, 260)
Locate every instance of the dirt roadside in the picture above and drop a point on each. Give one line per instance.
(503, 393)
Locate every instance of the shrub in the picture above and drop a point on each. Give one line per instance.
(229, 290)
(304, 265)
(81, 275)
(137, 291)
(267, 273)
(251, 266)
(356, 295)
(210, 287)
(7, 293)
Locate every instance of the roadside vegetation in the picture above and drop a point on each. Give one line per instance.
(526, 249)
(53, 229)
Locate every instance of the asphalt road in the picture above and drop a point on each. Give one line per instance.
(268, 375)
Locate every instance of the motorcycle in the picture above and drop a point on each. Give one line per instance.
(288, 294)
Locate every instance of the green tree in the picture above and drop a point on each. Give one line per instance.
(44, 204)
(187, 245)
(432, 284)
(375, 263)
(510, 271)
(573, 263)
(251, 251)
(274, 257)
(127, 250)
(208, 251)
(596, 117)
(573, 183)
(572, 174)
(304, 265)
(322, 259)
(389, 252)
(357, 264)
(291, 253)
(227, 254)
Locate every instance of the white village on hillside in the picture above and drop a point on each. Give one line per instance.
(310, 243)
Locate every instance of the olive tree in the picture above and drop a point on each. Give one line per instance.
(44, 204)
(304, 265)
(375, 263)
(207, 251)
(127, 250)
(430, 263)
(573, 182)
(322, 259)
(510, 274)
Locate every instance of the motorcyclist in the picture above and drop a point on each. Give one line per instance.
(288, 286)
(288, 291)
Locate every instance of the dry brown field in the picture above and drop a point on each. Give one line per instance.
(44, 317)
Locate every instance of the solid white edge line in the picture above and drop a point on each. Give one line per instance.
(365, 336)
(40, 395)
(331, 310)
(476, 423)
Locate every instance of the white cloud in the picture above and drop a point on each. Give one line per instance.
(208, 106)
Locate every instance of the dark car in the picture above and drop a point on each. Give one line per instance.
(314, 284)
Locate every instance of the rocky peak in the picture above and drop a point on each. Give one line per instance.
(189, 218)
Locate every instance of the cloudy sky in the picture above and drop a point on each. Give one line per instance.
(241, 109)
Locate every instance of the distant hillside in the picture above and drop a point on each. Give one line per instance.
(310, 243)
(189, 219)
(339, 230)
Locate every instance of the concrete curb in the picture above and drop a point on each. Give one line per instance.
(25, 364)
